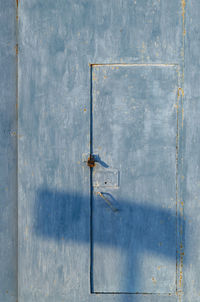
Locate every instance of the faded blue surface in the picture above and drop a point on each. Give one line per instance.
(58, 41)
(135, 131)
(8, 188)
(69, 244)
(192, 145)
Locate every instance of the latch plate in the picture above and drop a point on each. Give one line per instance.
(106, 178)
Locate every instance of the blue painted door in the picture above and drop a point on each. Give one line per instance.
(134, 216)
(100, 154)
(100, 79)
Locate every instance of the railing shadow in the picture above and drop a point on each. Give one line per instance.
(134, 229)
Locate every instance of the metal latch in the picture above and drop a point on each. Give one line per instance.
(107, 201)
(91, 161)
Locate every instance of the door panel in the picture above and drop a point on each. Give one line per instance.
(63, 232)
(134, 132)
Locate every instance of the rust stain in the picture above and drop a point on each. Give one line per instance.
(181, 266)
(94, 77)
(180, 92)
(91, 161)
(183, 4)
(17, 4)
(16, 49)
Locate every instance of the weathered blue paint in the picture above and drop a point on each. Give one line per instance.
(191, 145)
(62, 248)
(8, 131)
(135, 131)
(118, 78)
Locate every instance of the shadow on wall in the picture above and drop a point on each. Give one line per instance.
(135, 227)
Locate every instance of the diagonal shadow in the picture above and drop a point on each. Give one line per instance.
(134, 229)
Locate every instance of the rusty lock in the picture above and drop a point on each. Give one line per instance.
(91, 161)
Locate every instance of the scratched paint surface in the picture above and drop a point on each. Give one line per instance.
(58, 39)
(134, 131)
